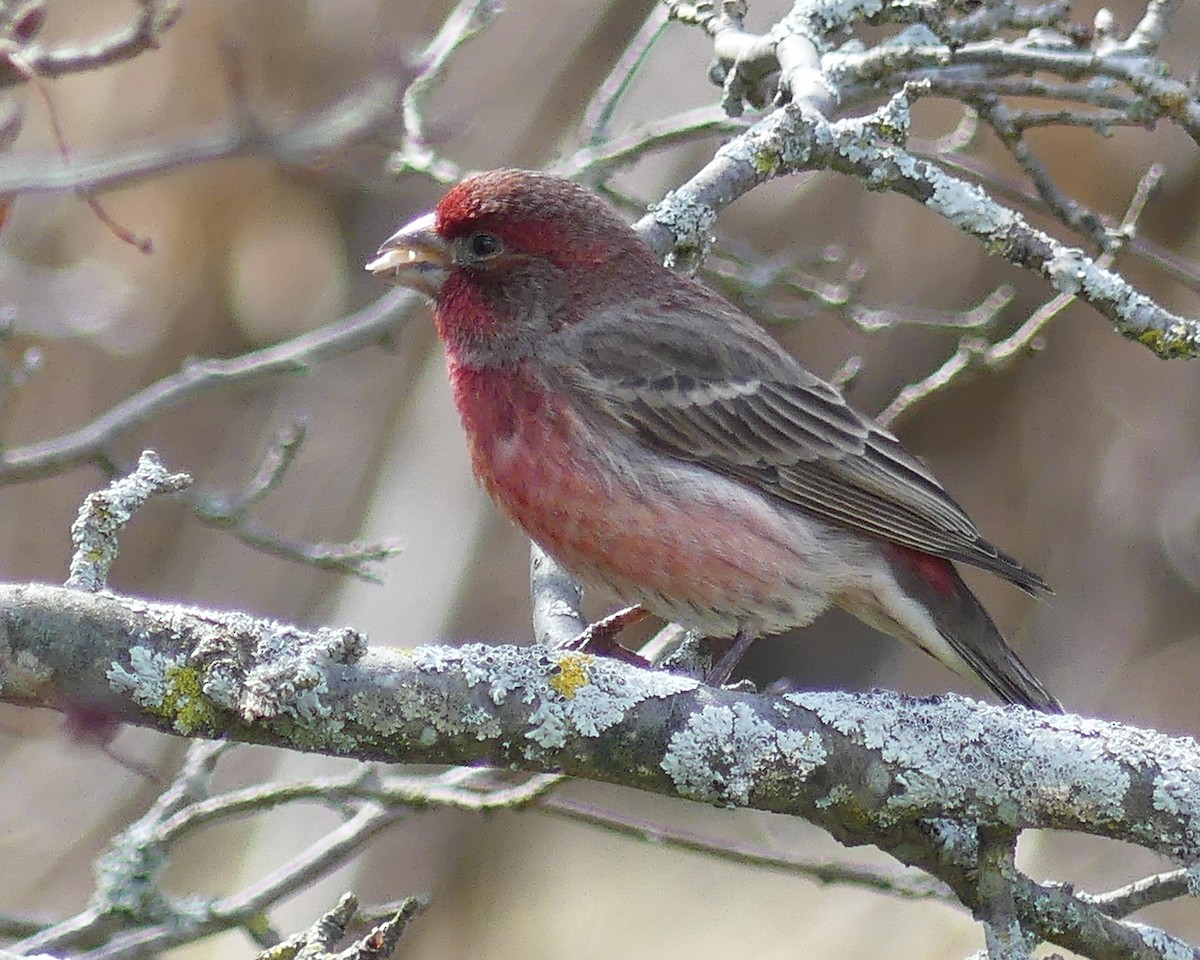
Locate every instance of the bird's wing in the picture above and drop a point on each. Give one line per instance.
(736, 402)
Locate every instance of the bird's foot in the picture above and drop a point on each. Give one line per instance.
(718, 676)
(601, 637)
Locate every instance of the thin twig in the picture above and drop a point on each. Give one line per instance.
(597, 116)
(416, 155)
(350, 119)
(90, 443)
(154, 18)
(975, 351)
(1140, 894)
(671, 836)
(593, 160)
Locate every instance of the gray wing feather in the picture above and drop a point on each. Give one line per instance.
(738, 403)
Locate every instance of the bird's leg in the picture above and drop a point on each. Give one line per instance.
(601, 637)
(719, 674)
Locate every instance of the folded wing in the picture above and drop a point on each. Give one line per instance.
(740, 405)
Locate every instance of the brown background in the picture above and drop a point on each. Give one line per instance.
(1083, 460)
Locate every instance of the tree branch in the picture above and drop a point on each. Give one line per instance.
(896, 760)
(867, 767)
(345, 121)
(370, 326)
(154, 18)
(791, 140)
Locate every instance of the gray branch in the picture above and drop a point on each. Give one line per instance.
(153, 20)
(870, 767)
(348, 120)
(791, 140)
(961, 59)
(106, 512)
(369, 327)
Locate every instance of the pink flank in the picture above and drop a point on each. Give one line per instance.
(682, 541)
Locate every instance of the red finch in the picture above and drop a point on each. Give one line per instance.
(653, 439)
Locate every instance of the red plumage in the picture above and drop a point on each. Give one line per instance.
(654, 439)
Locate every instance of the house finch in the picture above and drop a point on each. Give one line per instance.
(653, 439)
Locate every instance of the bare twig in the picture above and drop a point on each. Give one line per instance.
(154, 19)
(122, 233)
(345, 121)
(90, 444)
(975, 351)
(733, 851)
(416, 154)
(231, 512)
(593, 160)
(594, 129)
(103, 514)
(1140, 894)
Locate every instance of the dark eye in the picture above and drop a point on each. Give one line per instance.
(484, 244)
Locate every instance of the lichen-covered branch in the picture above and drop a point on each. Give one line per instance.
(868, 767)
(972, 57)
(131, 911)
(319, 941)
(215, 674)
(791, 140)
(106, 512)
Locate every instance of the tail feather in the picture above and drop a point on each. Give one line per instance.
(970, 633)
(985, 651)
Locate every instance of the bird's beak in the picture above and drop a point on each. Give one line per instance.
(414, 256)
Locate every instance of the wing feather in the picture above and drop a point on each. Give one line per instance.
(739, 404)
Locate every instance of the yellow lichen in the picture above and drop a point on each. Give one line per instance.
(767, 161)
(184, 703)
(1167, 347)
(572, 674)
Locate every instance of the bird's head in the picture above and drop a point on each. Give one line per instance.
(508, 254)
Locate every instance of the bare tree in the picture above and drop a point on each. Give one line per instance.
(945, 784)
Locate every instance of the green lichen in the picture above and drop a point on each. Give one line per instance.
(296, 734)
(184, 703)
(768, 161)
(260, 927)
(313, 736)
(1165, 346)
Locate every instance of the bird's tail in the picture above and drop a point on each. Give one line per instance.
(966, 626)
(976, 647)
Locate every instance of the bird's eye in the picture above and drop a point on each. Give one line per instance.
(484, 244)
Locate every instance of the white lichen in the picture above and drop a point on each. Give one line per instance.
(1012, 762)
(720, 754)
(145, 679)
(570, 693)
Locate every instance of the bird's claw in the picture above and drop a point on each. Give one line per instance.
(601, 637)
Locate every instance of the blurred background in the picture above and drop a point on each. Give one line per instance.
(1082, 459)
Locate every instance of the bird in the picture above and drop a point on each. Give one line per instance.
(655, 440)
